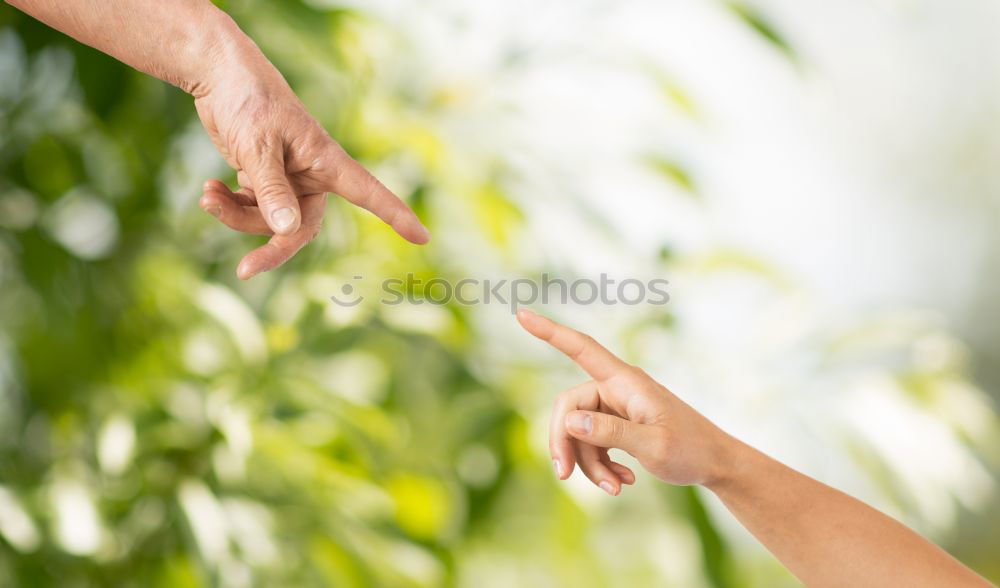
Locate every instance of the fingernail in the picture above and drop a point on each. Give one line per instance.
(580, 422)
(425, 233)
(607, 487)
(558, 467)
(244, 271)
(283, 218)
(215, 211)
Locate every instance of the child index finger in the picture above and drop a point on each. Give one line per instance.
(596, 360)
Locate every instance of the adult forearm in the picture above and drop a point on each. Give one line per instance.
(827, 538)
(285, 160)
(183, 42)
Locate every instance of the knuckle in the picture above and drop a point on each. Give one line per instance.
(562, 400)
(393, 215)
(581, 347)
(658, 392)
(553, 448)
(313, 231)
(261, 148)
(634, 376)
(369, 183)
(262, 144)
(616, 430)
(337, 175)
(329, 156)
(367, 187)
(272, 191)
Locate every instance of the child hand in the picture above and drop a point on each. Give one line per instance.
(622, 407)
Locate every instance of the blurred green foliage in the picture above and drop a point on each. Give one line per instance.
(263, 445)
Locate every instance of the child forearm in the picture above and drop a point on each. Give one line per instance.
(827, 538)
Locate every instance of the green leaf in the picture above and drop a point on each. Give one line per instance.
(674, 172)
(752, 17)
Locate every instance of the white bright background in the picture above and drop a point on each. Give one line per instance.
(857, 178)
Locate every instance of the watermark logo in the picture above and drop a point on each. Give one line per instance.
(513, 293)
(348, 296)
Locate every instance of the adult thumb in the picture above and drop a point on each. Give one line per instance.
(275, 197)
(605, 430)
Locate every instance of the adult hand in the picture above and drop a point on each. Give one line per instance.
(622, 407)
(286, 163)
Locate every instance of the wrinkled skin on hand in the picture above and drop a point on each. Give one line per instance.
(286, 163)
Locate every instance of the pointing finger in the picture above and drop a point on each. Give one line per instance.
(354, 183)
(597, 361)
